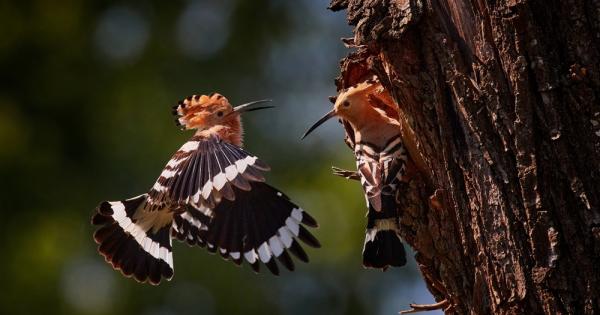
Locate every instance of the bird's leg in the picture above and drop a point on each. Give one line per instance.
(345, 173)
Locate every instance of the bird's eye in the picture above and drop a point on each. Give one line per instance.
(346, 104)
(220, 113)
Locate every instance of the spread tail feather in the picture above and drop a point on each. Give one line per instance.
(383, 245)
(383, 249)
(144, 253)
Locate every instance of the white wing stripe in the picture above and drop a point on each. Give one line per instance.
(276, 246)
(264, 252)
(292, 225)
(174, 162)
(297, 214)
(168, 173)
(251, 256)
(190, 146)
(158, 187)
(207, 189)
(285, 236)
(193, 221)
(149, 246)
(219, 181)
(231, 172)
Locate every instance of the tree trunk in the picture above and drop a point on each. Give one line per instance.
(503, 98)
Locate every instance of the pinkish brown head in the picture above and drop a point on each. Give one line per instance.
(352, 104)
(206, 111)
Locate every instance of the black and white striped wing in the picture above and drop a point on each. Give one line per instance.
(260, 225)
(134, 240)
(204, 171)
(191, 225)
(380, 170)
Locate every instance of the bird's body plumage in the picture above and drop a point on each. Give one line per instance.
(380, 163)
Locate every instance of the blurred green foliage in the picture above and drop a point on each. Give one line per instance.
(85, 116)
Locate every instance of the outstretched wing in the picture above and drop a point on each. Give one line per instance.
(380, 170)
(134, 240)
(259, 225)
(204, 171)
(190, 226)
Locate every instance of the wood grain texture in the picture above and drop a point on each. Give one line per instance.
(504, 100)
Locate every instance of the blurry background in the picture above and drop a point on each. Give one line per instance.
(85, 99)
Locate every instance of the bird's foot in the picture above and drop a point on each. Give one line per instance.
(345, 173)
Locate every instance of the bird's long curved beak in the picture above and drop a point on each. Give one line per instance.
(248, 106)
(323, 119)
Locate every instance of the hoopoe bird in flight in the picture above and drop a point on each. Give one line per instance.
(212, 193)
(373, 133)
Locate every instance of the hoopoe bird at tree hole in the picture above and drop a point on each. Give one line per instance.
(212, 193)
(373, 133)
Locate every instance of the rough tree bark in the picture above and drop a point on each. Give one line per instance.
(503, 98)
